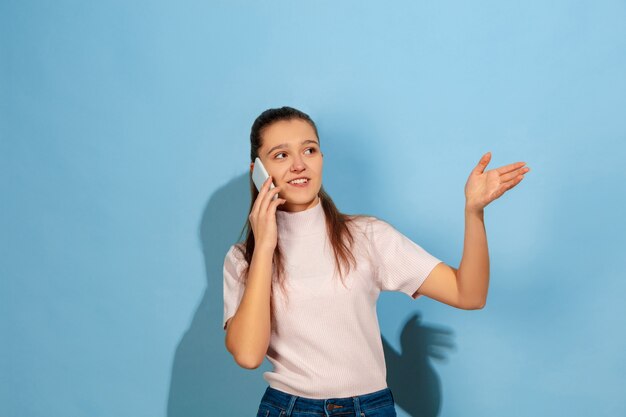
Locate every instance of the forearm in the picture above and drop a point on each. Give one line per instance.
(248, 333)
(473, 272)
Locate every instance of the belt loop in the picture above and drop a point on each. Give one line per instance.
(292, 402)
(357, 406)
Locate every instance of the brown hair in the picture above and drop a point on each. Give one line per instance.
(337, 223)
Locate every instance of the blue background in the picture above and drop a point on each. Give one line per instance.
(124, 157)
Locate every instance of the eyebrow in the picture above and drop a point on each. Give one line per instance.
(284, 145)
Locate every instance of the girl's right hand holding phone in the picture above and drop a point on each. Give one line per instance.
(263, 217)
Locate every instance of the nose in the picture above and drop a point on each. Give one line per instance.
(298, 164)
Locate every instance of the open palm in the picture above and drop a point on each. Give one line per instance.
(484, 187)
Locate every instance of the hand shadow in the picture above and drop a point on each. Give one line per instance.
(411, 377)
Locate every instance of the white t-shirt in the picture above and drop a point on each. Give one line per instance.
(327, 341)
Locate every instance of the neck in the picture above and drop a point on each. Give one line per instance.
(293, 207)
(310, 220)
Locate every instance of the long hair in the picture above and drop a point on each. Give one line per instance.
(337, 223)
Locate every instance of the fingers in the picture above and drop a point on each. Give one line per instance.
(268, 196)
(274, 205)
(258, 202)
(265, 198)
(508, 168)
(506, 186)
(514, 174)
(482, 164)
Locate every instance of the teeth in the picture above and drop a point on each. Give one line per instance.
(302, 181)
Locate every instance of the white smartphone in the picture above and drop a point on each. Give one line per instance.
(259, 175)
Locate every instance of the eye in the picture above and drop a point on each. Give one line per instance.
(307, 149)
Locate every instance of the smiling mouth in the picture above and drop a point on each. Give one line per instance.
(300, 184)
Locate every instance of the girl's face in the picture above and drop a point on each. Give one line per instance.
(291, 150)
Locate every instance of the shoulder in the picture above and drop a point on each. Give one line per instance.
(235, 264)
(370, 226)
(367, 221)
(236, 254)
(358, 222)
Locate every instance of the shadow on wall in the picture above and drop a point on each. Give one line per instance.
(205, 379)
(415, 385)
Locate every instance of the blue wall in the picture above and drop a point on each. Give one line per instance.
(124, 151)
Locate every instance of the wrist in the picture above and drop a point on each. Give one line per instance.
(474, 211)
(264, 250)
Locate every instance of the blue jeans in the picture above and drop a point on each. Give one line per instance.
(277, 403)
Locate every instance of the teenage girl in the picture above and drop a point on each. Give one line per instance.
(302, 289)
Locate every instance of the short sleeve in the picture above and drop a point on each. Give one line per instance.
(234, 265)
(400, 264)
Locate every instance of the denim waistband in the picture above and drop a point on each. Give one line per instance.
(354, 405)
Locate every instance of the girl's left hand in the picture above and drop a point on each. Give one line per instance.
(484, 187)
